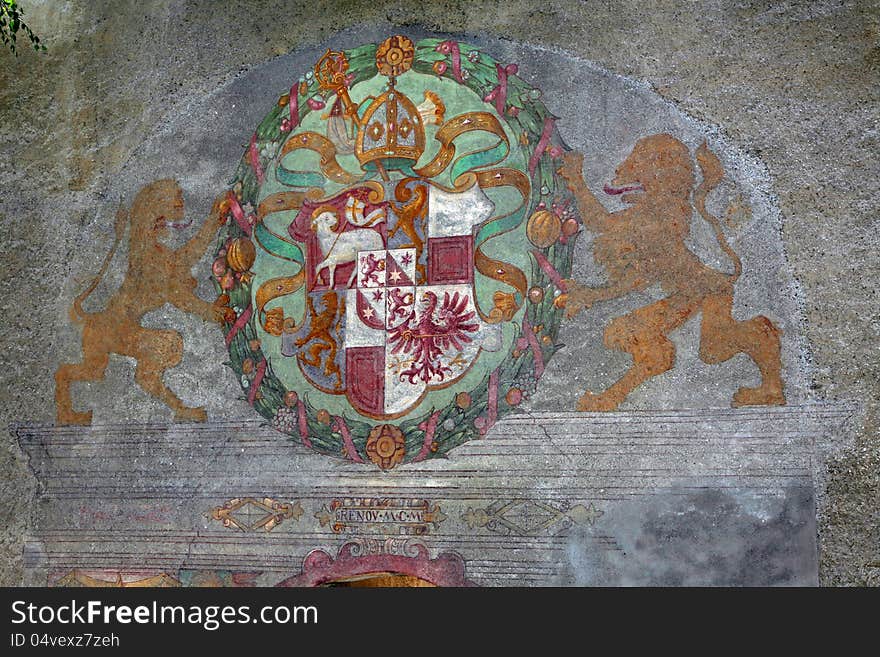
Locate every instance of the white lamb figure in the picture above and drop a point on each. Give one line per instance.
(340, 248)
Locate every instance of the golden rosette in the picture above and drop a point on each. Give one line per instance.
(385, 446)
(395, 56)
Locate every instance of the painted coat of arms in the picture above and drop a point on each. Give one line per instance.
(396, 235)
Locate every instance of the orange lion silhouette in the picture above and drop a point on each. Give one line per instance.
(156, 275)
(643, 245)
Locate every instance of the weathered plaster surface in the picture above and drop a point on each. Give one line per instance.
(794, 85)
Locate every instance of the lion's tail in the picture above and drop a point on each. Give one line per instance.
(713, 172)
(77, 314)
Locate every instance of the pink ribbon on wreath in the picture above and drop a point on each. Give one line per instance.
(499, 93)
(255, 159)
(429, 427)
(303, 423)
(532, 341)
(550, 270)
(255, 384)
(239, 324)
(238, 214)
(293, 105)
(341, 427)
(542, 145)
(451, 48)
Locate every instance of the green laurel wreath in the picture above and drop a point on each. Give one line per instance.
(526, 115)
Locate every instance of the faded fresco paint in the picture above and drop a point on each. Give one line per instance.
(156, 275)
(406, 231)
(644, 245)
(388, 194)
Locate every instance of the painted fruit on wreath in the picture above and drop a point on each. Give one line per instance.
(392, 251)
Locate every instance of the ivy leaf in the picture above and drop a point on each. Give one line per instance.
(11, 23)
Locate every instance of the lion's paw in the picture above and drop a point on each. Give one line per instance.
(572, 166)
(218, 313)
(190, 414)
(83, 419)
(761, 396)
(591, 402)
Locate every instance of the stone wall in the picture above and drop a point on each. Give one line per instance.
(793, 85)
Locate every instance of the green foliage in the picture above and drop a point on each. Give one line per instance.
(11, 23)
